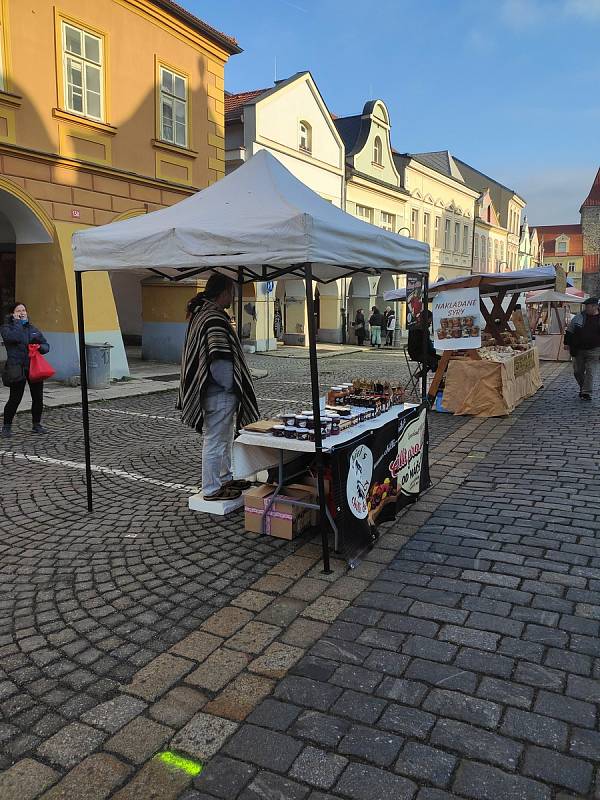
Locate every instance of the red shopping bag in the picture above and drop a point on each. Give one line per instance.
(39, 368)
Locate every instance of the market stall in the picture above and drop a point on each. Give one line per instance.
(488, 364)
(259, 224)
(549, 313)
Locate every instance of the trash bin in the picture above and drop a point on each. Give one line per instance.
(98, 365)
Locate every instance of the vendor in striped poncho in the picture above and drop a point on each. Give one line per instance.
(216, 391)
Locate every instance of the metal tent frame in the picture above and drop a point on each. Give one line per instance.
(244, 275)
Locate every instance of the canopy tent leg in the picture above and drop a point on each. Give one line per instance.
(425, 325)
(85, 413)
(240, 302)
(314, 385)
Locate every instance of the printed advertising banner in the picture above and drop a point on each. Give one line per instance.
(414, 299)
(377, 476)
(457, 320)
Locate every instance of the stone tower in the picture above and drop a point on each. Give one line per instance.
(590, 227)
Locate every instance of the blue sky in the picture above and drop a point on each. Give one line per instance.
(510, 86)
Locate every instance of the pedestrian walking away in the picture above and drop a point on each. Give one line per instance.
(360, 327)
(376, 324)
(583, 340)
(390, 326)
(17, 334)
(216, 392)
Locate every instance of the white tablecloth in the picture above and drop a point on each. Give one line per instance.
(254, 452)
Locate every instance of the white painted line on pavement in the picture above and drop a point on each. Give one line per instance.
(279, 400)
(118, 473)
(134, 414)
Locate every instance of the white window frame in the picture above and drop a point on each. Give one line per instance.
(378, 151)
(426, 226)
(571, 266)
(84, 64)
(465, 239)
(414, 223)
(436, 231)
(447, 234)
(365, 213)
(457, 237)
(562, 245)
(305, 132)
(165, 96)
(388, 221)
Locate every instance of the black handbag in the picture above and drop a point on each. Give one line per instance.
(13, 373)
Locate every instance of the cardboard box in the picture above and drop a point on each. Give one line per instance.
(309, 484)
(283, 520)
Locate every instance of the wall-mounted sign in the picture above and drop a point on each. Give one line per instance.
(457, 320)
(75, 213)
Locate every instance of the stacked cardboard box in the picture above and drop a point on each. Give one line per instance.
(283, 520)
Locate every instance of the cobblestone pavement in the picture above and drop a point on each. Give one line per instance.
(88, 600)
(459, 660)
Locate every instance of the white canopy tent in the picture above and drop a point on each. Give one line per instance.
(257, 224)
(259, 217)
(550, 296)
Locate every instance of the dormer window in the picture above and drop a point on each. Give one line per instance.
(377, 151)
(562, 244)
(305, 137)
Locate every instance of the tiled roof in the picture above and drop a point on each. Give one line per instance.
(483, 179)
(591, 263)
(593, 198)
(556, 230)
(228, 42)
(235, 102)
(348, 128)
(440, 161)
(547, 235)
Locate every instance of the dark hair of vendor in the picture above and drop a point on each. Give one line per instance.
(215, 285)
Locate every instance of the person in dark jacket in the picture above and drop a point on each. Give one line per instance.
(360, 328)
(18, 333)
(415, 346)
(583, 340)
(376, 323)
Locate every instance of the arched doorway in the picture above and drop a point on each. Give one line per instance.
(387, 283)
(292, 300)
(327, 310)
(23, 224)
(359, 296)
(127, 291)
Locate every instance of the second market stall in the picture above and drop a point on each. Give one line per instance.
(488, 363)
(549, 314)
(260, 223)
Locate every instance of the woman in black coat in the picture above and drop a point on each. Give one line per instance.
(18, 333)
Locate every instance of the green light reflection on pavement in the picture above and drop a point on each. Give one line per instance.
(188, 765)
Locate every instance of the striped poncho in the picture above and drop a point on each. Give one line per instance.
(210, 337)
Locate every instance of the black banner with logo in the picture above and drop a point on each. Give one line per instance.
(377, 475)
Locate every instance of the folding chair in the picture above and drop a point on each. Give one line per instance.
(414, 371)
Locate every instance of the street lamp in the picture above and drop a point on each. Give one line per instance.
(500, 266)
(404, 229)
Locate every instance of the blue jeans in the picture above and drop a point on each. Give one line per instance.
(219, 428)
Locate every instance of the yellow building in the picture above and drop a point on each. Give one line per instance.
(374, 193)
(108, 109)
(562, 245)
(441, 211)
(491, 239)
(507, 204)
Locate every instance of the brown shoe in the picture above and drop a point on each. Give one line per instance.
(243, 485)
(224, 493)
